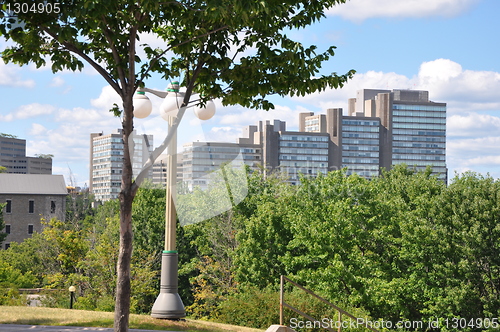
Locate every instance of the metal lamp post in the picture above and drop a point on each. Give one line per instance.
(72, 290)
(168, 304)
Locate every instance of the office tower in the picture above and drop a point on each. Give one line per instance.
(13, 157)
(384, 128)
(106, 161)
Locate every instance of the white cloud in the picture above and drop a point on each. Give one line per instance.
(37, 129)
(9, 76)
(463, 90)
(449, 81)
(359, 10)
(106, 99)
(28, 111)
(57, 81)
(479, 154)
(472, 125)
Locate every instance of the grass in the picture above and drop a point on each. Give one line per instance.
(67, 317)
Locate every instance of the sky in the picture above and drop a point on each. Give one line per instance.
(447, 47)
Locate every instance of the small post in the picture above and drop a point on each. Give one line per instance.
(282, 298)
(72, 290)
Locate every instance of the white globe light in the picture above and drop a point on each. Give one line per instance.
(205, 113)
(170, 105)
(142, 105)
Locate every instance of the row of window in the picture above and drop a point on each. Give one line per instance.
(235, 149)
(304, 138)
(360, 147)
(419, 139)
(303, 157)
(312, 122)
(360, 154)
(418, 132)
(304, 145)
(360, 141)
(304, 151)
(419, 120)
(108, 153)
(361, 128)
(108, 140)
(419, 145)
(419, 107)
(360, 135)
(418, 151)
(420, 114)
(8, 229)
(417, 157)
(97, 148)
(419, 126)
(286, 163)
(360, 123)
(314, 128)
(359, 161)
(31, 206)
(402, 160)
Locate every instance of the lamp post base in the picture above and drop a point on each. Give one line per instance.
(168, 304)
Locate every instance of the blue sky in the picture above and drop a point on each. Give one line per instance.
(448, 47)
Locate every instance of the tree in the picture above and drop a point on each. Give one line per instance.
(237, 51)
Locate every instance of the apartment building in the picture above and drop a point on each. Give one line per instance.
(13, 157)
(106, 161)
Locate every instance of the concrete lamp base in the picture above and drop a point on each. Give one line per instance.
(279, 328)
(168, 304)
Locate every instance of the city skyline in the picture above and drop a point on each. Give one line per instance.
(442, 46)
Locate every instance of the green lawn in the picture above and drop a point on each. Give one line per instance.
(67, 317)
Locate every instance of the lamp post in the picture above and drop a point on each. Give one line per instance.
(72, 290)
(168, 304)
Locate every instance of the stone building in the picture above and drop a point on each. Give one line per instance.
(27, 199)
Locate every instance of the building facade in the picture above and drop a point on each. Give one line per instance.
(13, 157)
(382, 128)
(27, 199)
(106, 161)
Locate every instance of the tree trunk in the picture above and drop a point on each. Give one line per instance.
(127, 193)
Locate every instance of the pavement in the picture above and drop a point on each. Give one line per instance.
(45, 328)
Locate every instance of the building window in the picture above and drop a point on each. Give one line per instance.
(7, 246)
(30, 229)
(8, 207)
(52, 206)
(31, 206)
(7, 229)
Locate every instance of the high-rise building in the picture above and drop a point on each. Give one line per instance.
(13, 157)
(384, 128)
(106, 161)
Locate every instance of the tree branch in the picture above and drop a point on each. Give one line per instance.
(114, 52)
(73, 48)
(155, 59)
(157, 152)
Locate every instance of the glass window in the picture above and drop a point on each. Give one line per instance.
(8, 207)
(31, 207)
(30, 229)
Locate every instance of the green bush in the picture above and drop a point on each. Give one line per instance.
(260, 309)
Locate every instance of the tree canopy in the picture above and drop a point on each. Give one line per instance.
(235, 50)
